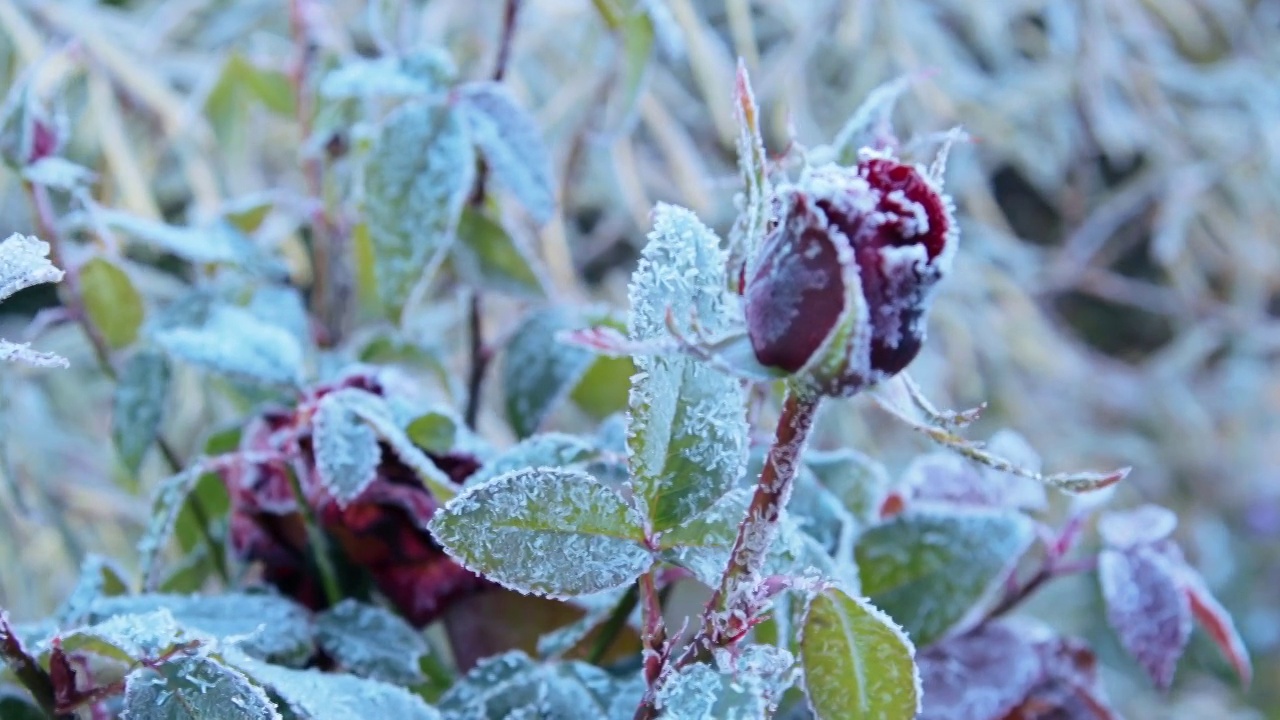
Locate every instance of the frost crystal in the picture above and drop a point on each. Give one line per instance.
(546, 531)
(24, 262)
(687, 434)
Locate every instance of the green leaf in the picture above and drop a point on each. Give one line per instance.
(857, 662)
(16, 704)
(435, 432)
(194, 687)
(487, 256)
(99, 577)
(559, 533)
(316, 695)
(139, 406)
(378, 414)
(554, 450)
(210, 492)
(269, 627)
(112, 303)
(861, 482)
(538, 371)
(168, 500)
(346, 449)
(235, 343)
(509, 140)
(688, 430)
(931, 568)
(371, 642)
(603, 389)
(419, 172)
(132, 637)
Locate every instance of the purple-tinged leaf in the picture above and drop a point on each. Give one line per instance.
(1145, 525)
(980, 675)
(1216, 621)
(1147, 607)
(1068, 687)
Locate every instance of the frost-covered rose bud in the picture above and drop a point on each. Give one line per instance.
(840, 288)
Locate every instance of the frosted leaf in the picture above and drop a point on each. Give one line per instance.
(138, 405)
(166, 503)
(511, 143)
(380, 416)
(111, 301)
(133, 637)
(512, 685)
(861, 482)
(99, 577)
(371, 642)
(283, 307)
(703, 545)
(745, 689)
(538, 372)
(194, 687)
(556, 450)
(870, 125)
(985, 673)
(389, 77)
(489, 257)
(688, 433)
(233, 342)
(545, 531)
(933, 568)
(346, 449)
(947, 477)
(1217, 622)
(857, 662)
(218, 244)
(264, 626)
(1143, 525)
(1147, 607)
(750, 228)
(315, 695)
(58, 173)
(419, 172)
(24, 262)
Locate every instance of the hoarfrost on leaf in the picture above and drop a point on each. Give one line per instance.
(857, 662)
(539, 372)
(315, 695)
(371, 642)
(1143, 525)
(745, 689)
(511, 143)
(1147, 607)
(688, 433)
(984, 673)
(933, 568)
(194, 687)
(557, 450)
(138, 405)
(346, 449)
(235, 343)
(512, 685)
(417, 178)
(166, 503)
(264, 626)
(24, 262)
(860, 481)
(547, 531)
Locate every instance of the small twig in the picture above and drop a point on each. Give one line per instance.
(480, 353)
(654, 636)
(1049, 570)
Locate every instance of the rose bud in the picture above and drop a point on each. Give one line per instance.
(840, 288)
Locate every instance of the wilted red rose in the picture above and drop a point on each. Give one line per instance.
(382, 531)
(839, 291)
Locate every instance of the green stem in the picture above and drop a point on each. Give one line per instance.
(318, 542)
(613, 626)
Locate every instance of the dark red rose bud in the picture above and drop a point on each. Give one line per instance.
(840, 289)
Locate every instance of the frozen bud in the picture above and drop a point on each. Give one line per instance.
(840, 289)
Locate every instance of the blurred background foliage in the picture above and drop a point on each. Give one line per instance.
(1116, 299)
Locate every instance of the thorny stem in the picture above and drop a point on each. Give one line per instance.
(734, 606)
(654, 636)
(73, 298)
(480, 354)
